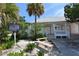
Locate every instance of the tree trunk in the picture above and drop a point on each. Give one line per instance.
(35, 27)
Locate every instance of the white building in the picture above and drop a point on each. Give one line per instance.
(57, 27)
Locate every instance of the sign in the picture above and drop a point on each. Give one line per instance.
(13, 27)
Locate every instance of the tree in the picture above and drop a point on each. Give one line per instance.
(22, 34)
(71, 13)
(23, 24)
(8, 13)
(36, 9)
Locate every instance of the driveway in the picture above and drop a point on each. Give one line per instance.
(64, 48)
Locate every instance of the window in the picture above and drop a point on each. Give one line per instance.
(59, 27)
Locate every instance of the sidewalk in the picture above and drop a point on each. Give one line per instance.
(19, 46)
(64, 49)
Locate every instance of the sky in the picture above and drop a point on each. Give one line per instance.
(50, 10)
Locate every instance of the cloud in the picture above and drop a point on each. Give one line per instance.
(59, 12)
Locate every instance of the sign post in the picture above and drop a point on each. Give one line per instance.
(14, 28)
(15, 38)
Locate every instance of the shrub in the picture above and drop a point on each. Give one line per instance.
(30, 47)
(7, 45)
(4, 36)
(40, 53)
(0, 50)
(16, 53)
(24, 35)
(40, 35)
(21, 35)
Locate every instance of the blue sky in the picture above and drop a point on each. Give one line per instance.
(51, 10)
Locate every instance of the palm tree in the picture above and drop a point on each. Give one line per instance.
(36, 9)
(8, 12)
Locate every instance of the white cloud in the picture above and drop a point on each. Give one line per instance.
(59, 12)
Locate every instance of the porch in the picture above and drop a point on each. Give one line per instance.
(57, 30)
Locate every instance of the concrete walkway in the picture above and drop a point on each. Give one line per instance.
(64, 49)
(19, 47)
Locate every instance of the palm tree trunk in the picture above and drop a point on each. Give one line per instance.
(35, 27)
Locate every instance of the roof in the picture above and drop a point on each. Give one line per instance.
(51, 19)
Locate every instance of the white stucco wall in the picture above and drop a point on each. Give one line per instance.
(74, 28)
(47, 30)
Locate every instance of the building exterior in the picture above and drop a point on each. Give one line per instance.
(57, 27)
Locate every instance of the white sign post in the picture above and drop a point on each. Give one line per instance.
(15, 38)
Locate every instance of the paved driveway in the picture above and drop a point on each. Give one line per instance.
(64, 48)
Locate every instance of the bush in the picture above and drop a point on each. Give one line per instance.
(24, 35)
(21, 35)
(40, 53)
(30, 47)
(16, 53)
(7, 45)
(3, 36)
(0, 50)
(40, 35)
